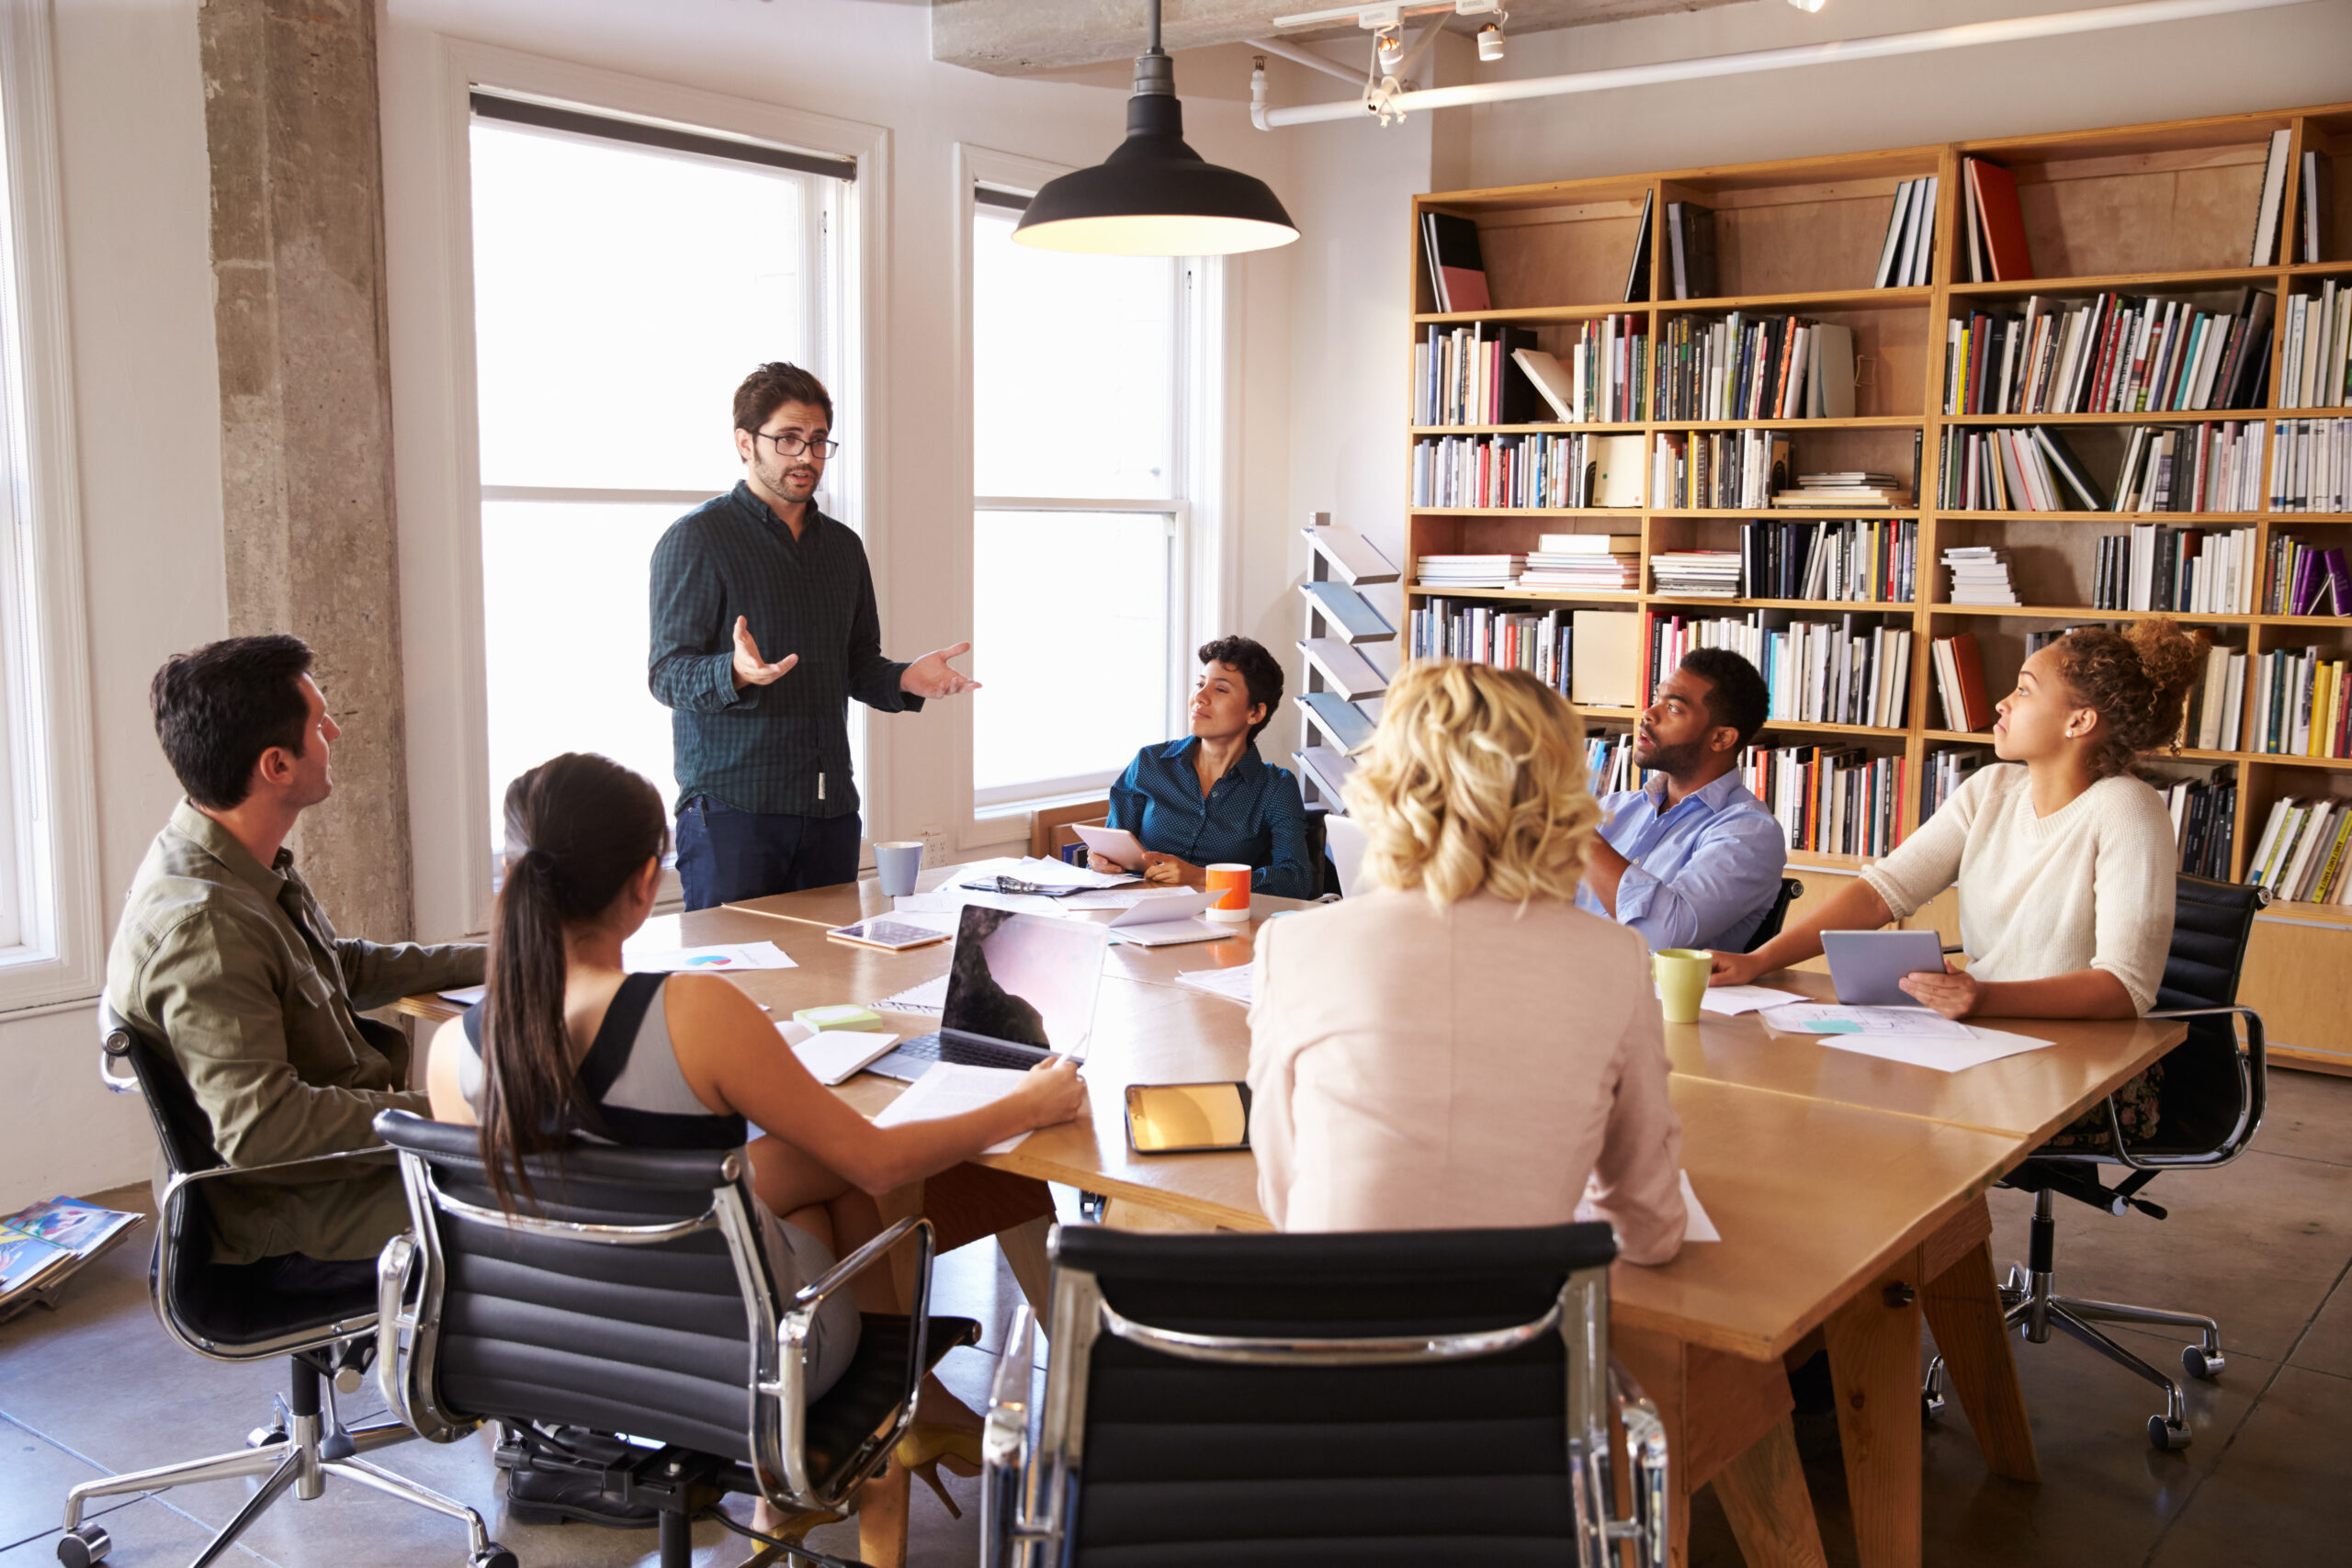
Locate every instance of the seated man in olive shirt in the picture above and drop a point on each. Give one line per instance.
(224, 956)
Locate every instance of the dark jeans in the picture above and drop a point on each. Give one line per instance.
(726, 856)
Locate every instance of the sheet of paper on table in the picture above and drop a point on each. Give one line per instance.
(1697, 1227)
(1043, 872)
(950, 1089)
(1826, 1018)
(1122, 898)
(1234, 984)
(1733, 1001)
(928, 997)
(717, 959)
(1982, 1045)
(950, 901)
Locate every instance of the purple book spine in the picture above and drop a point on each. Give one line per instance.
(2306, 585)
(2339, 583)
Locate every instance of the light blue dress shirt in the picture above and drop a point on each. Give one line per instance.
(1703, 873)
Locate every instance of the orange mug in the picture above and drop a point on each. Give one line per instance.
(1230, 883)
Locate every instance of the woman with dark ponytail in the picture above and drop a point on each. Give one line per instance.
(565, 1042)
(2064, 864)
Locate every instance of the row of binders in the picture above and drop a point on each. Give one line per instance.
(2318, 349)
(2189, 570)
(2204, 821)
(2306, 579)
(1855, 558)
(2311, 465)
(1830, 800)
(2191, 467)
(2115, 354)
(1537, 469)
(1815, 671)
(2030, 469)
(1739, 366)
(2303, 705)
(2301, 854)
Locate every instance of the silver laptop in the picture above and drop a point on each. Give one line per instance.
(1020, 988)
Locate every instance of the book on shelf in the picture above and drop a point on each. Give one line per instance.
(1865, 558)
(2304, 579)
(2301, 854)
(2215, 703)
(2268, 205)
(1551, 380)
(1691, 249)
(1980, 575)
(2191, 467)
(1907, 252)
(2315, 212)
(1609, 765)
(2204, 821)
(1947, 768)
(1538, 470)
(1538, 642)
(2303, 705)
(43, 1245)
(1853, 488)
(1959, 668)
(2192, 571)
(1638, 276)
(1467, 571)
(1474, 374)
(2113, 354)
(1587, 544)
(2318, 363)
(1708, 574)
(1830, 800)
(1743, 365)
(1457, 269)
(1582, 571)
(1719, 468)
(2020, 468)
(2311, 465)
(1842, 671)
(1997, 225)
(1606, 670)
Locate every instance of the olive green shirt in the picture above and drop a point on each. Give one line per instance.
(235, 966)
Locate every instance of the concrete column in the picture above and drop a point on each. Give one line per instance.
(306, 423)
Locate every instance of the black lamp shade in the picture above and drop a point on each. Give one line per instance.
(1156, 196)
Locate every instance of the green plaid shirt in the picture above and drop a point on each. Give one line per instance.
(783, 747)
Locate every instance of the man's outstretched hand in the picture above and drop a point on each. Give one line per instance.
(750, 669)
(931, 676)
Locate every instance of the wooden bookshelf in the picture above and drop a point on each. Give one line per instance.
(2164, 209)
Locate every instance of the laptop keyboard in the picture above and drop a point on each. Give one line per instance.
(938, 1046)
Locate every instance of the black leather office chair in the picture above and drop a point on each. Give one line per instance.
(1370, 1398)
(1777, 916)
(636, 1298)
(2210, 1100)
(228, 1312)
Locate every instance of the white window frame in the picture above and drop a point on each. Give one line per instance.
(442, 585)
(57, 955)
(1203, 551)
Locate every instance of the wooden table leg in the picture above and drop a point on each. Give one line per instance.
(1763, 1494)
(882, 1518)
(1965, 1313)
(1025, 1253)
(1873, 1343)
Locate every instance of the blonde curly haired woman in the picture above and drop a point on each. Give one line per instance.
(1462, 1046)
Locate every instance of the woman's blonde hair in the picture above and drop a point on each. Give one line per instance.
(1475, 779)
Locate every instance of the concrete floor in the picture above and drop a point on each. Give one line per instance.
(2266, 1246)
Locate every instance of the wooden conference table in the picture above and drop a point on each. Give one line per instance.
(1849, 1192)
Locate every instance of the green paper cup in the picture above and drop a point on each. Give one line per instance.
(1682, 980)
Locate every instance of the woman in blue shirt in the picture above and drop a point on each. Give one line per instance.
(1209, 797)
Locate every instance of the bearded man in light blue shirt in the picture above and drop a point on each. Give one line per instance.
(1690, 859)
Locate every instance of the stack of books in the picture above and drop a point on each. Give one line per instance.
(2311, 465)
(1722, 469)
(1467, 571)
(2196, 468)
(2030, 469)
(2301, 854)
(1744, 367)
(1704, 574)
(2306, 579)
(2204, 821)
(1848, 559)
(41, 1245)
(1959, 685)
(2303, 705)
(2113, 354)
(1905, 256)
(1853, 488)
(2185, 569)
(1481, 634)
(1591, 563)
(1980, 575)
(1830, 800)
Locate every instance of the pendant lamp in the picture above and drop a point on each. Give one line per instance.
(1154, 195)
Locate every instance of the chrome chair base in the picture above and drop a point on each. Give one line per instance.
(298, 1453)
(2031, 1302)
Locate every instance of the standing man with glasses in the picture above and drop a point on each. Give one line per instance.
(765, 801)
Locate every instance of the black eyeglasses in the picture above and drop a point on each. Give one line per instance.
(789, 445)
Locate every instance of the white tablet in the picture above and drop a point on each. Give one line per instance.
(1869, 965)
(1114, 844)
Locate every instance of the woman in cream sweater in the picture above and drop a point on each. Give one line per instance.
(1464, 1046)
(2064, 860)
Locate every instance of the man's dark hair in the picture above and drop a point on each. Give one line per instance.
(219, 708)
(771, 387)
(1259, 673)
(1737, 694)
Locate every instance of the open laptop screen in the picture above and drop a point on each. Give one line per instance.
(1028, 979)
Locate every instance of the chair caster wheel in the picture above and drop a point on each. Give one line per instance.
(2165, 1437)
(1931, 1408)
(2202, 1364)
(262, 1437)
(80, 1548)
(491, 1556)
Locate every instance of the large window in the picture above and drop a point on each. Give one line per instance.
(626, 278)
(1080, 465)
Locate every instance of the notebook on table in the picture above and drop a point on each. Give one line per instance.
(1020, 988)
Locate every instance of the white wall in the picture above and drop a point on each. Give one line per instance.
(866, 63)
(147, 413)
